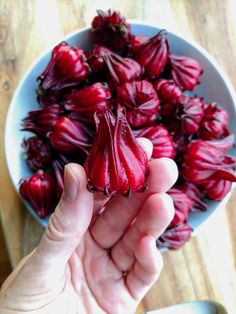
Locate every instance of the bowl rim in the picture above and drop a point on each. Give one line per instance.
(133, 22)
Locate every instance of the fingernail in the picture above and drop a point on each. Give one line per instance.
(71, 183)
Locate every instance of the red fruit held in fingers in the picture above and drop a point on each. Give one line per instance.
(66, 68)
(204, 162)
(36, 152)
(38, 190)
(69, 136)
(110, 29)
(153, 54)
(214, 123)
(89, 100)
(96, 60)
(163, 145)
(185, 72)
(140, 100)
(184, 116)
(41, 121)
(121, 70)
(116, 163)
(182, 205)
(167, 91)
(174, 237)
(195, 195)
(216, 189)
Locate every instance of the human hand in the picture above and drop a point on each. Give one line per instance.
(105, 266)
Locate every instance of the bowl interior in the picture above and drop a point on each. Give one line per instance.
(215, 87)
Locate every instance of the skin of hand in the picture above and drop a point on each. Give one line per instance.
(88, 263)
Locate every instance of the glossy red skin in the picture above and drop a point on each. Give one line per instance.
(96, 60)
(116, 163)
(140, 100)
(38, 190)
(215, 123)
(153, 54)
(204, 162)
(69, 136)
(185, 72)
(121, 70)
(88, 100)
(167, 91)
(216, 189)
(163, 145)
(66, 68)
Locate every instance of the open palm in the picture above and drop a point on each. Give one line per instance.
(103, 266)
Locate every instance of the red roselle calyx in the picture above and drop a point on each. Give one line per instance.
(116, 163)
(89, 100)
(110, 29)
(161, 139)
(121, 70)
(195, 195)
(38, 190)
(214, 123)
(95, 58)
(204, 162)
(42, 121)
(66, 68)
(167, 91)
(223, 144)
(153, 54)
(185, 72)
(183, 117)
(174, 237)
(36, 152)
(216, 189)
(69, 136)
(182, 205)
(140, 100)
(136, 40)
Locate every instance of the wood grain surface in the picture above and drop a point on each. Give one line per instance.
(205, 267)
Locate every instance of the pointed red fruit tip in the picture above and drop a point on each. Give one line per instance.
(153, 54)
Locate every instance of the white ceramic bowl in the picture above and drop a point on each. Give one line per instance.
(215, 86)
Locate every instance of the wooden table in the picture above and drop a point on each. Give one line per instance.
(205, 267)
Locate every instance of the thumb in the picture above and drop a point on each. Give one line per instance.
(71, 219)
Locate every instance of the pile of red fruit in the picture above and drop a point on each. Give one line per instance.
(94, 104)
